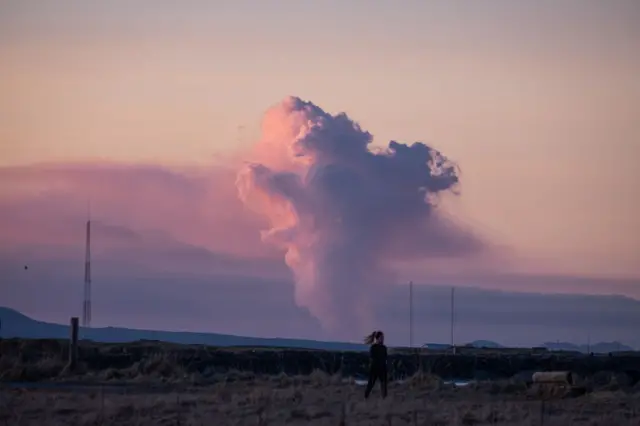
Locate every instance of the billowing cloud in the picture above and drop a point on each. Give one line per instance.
(186, 221)
(344, 213)
(177, 248)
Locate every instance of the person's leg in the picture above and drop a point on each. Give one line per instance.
(372, 381)
(383, 382)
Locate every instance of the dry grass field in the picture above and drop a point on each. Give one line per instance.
(319, 399)
(149, 383)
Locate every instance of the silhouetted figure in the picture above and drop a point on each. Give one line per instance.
(378, 363)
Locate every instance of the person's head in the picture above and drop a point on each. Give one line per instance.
(375, 337)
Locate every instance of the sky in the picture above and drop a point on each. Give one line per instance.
(151, 107)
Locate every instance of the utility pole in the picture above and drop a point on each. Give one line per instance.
(86, 305)
(410, 314)
(453, 348)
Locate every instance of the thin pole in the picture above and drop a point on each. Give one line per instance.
(452, 317)
(410, 314)
(73, 344)
(86, 308)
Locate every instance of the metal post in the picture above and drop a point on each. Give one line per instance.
(410, 314)
(73, 344)
(86, 307)
(453, 348)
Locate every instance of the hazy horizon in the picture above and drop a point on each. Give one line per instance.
(177, 124)
(500, 317)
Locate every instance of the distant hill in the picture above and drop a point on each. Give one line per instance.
(15, 324)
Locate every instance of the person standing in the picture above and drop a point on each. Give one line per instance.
(378, 363)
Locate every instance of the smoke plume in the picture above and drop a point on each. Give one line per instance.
(344, 213)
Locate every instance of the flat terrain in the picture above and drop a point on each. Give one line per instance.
(151, 383)
(38, 360)
(322, 400)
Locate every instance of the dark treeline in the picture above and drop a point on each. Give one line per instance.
(209, 361)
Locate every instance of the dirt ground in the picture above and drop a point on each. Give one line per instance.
(318, 400)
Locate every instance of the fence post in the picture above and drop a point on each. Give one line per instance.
(73, 344)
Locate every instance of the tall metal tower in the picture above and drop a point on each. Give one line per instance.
(86, 306)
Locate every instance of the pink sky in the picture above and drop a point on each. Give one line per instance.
(540, 111)
(149, 113)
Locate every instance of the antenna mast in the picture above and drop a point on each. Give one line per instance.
(86, 306)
